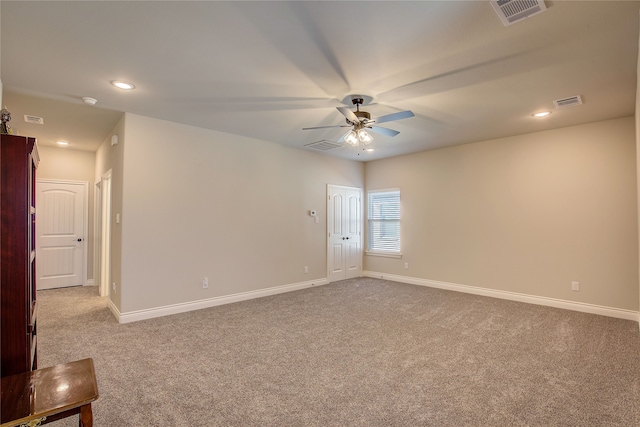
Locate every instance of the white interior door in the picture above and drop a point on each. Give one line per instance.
(61, 208)
(344, 221)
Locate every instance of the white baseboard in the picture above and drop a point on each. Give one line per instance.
(513, 296)
(134, 316)
(90, 282)
(151, 313)
(113, 309)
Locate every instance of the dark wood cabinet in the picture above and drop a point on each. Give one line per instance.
(18, 312)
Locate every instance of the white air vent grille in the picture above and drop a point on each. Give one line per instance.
(33, 119)
(568, 102)
(512, 11)
(323, 145)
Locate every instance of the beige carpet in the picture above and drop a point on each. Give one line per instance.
(362, 352)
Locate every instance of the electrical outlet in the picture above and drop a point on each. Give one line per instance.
(113, 286)
(306, 269)
(205, 283)
(406, 265)
(575, 286)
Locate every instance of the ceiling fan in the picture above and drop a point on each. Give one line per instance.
(360, 121)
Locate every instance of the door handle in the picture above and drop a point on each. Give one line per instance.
(79, 240)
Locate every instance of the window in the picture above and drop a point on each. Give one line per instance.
(383, 221)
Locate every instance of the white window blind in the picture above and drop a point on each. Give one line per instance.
(383, 220)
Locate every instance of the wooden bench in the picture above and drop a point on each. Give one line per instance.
(49, 394)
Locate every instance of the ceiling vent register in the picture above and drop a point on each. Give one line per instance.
(33, 119)
(323, 145)
(512, 11)
(568, 102)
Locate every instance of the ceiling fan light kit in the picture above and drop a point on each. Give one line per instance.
(355, 138)
(364, 137)
(351, 138)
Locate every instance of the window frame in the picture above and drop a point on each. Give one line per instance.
(393, 253)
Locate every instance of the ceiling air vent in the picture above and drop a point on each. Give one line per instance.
(323, 145)
(568, 102)
(512, 11)
(33, 119)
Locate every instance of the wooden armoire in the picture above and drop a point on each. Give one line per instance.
(18, 160)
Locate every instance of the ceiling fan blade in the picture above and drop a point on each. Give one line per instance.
(394, 116)
(349, 114)
(325, 127)
(383, 131)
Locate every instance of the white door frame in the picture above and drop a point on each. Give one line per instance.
(85, 216)
(97, 235)
(330, 224)
(97, 230)
(102, 245)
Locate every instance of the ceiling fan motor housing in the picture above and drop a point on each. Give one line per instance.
(362, 114)
(359, 114)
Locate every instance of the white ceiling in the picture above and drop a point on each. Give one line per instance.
(267, 69)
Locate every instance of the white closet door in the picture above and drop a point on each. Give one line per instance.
(344, 222)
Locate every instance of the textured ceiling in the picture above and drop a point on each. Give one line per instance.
(267, 69)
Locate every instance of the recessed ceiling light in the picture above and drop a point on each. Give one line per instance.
(370, 149)
(542, 114)
(62, 143)
(122, 85)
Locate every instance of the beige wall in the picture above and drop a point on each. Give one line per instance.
(526, 214)
(199, 203)
(72, 165)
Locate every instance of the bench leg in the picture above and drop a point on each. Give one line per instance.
(86, 416)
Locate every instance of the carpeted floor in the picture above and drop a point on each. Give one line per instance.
(361, 352)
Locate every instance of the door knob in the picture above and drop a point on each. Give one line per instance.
(79, 240)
